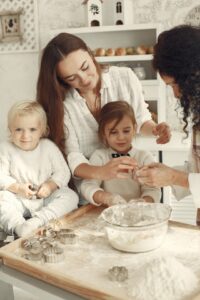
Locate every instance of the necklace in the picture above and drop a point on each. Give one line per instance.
(94, 106)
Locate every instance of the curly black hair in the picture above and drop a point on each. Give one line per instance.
(177, 54)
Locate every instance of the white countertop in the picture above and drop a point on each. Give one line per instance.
(177, 143)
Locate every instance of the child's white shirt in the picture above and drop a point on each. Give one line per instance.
(127, 188)
(36, 166)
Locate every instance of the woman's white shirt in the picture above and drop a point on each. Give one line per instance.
(119, 83)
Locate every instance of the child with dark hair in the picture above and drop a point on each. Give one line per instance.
(116, 131)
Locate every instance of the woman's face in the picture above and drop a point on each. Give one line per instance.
(171, 82)
(79, 71)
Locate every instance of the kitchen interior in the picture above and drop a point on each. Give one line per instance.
(40, 20)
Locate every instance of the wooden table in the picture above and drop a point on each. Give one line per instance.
(76, 278)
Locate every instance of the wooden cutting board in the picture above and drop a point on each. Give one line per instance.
(85, 269)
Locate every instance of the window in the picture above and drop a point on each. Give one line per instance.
(118, 7)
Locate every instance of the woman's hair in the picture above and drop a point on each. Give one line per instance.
(51, 90)
(25, 108)
(177, 54)
(114, 111)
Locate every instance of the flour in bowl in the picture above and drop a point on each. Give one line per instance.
(163, 278)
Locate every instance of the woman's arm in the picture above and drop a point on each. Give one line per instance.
(115, 168)
(162, 131)
(146, 158)
(145, 124)
(158, 175)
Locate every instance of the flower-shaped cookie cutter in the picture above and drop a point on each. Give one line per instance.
(118, 273)
(53, 254)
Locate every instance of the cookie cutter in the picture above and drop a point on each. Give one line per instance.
(32, 256)
(49, 232)
(68, 238)
(34, 187)
(53, 254)
(27, 244)
(118, 273)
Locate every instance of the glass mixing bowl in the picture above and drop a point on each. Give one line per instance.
(136, 227)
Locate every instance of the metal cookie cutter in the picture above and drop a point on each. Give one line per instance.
(118, 273)
(67, 236)
(49, 232)
(53, 254)
(33, 187)
(33, 257)
(34, 249)
(29, 243)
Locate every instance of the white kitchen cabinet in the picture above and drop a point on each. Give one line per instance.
(128, 36)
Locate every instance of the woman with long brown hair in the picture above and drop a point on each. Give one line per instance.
(72, 88)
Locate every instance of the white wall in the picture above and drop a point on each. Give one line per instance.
(18, 76)
(18, 71)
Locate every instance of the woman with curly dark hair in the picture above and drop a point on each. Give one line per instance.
(177, 59)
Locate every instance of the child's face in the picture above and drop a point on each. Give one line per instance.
(26, 131)
(120, 138)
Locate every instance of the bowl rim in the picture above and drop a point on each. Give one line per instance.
(138, 204)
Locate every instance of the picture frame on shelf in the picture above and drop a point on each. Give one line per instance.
(10, 22)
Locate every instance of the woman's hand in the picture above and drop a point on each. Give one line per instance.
(155, 175)
(120, 167)
(163, 132)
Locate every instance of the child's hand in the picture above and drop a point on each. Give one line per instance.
(24, 190)
(135, 200)
(114, 199)
(46, 189)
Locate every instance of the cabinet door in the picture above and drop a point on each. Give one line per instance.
(182, 210)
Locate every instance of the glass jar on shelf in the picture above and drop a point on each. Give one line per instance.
(140, 72)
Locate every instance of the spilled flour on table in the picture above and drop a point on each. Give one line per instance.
(170, 272)
(163, 278)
